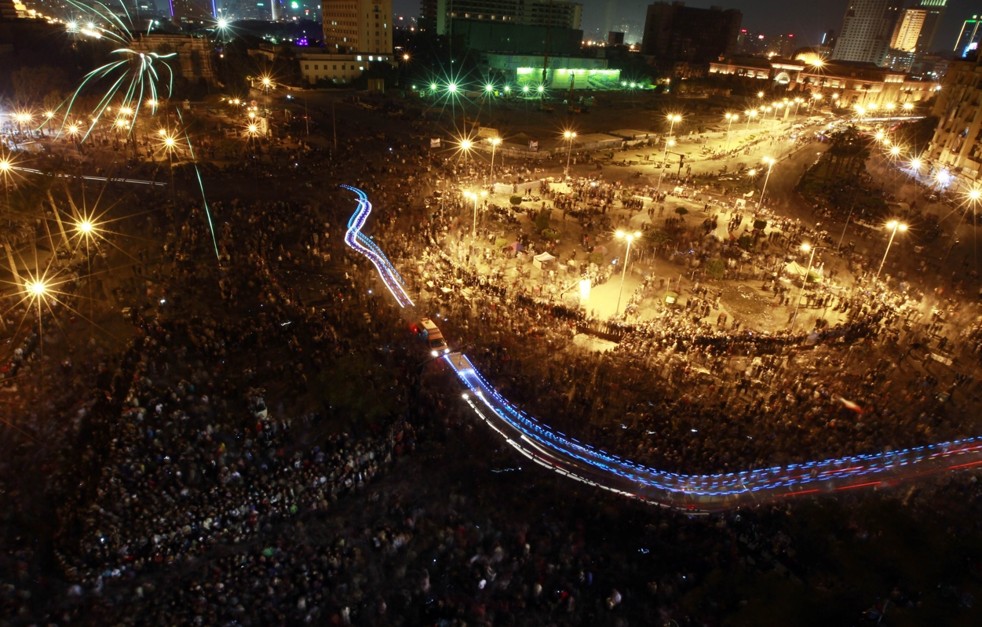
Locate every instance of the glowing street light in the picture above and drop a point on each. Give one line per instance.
(730, 117)
(495, 142)
(894, 226)
(569, 136)
(475, 196)
(805, 247)
(629, 238)
(673, 119)
(6, 167)
(769, 161)
(751, 114)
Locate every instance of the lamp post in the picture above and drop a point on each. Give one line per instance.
(5, 167)
(806, 247)
(495, 142)
(751, 114)
(569, 136)
(629, 238)
(730, 117)
(37, 289)
(673, 119)
(770, 161)
(894, 226)
(267, 83)
(475, 196)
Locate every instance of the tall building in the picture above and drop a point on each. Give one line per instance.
(437, 15)
(191, 10)
(7, 11)
(357, 26)
(968, 38)
(957, 142)
(677, 33)
(933, 12)
(866, 30)
(908, 30)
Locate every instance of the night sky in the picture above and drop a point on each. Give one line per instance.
(806, 18)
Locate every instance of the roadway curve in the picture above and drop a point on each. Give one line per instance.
(701, 494)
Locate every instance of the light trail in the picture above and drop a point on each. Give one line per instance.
(692, 493)
(201, 186)
(88, 177)
(363, 244)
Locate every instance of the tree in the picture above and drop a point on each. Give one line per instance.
(42, 83)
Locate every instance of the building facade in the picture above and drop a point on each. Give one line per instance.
(675, 33)
(866, 30)
(933, 12)
(957, 142)
(908, 30)
(357, 26)
(438, 15)
(842, 84)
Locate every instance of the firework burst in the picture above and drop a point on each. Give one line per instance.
(133, 78)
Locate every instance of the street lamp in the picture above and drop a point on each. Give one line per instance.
(894, 226)
(495, 142)
(805, 247)
(770, 161)
(730, 117)
(6, 167)
(569, 136)
(672, 118)
(629, 238)
(36, 289)
(475, 196)
(751, 114)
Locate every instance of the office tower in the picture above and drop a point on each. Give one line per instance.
(436, 15)
(866, 30)
(357, 26)
(677, 33)
(191, 10)
(933, 12)
(908, 30)
(968, 38)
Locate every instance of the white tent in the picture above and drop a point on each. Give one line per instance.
(542, 259)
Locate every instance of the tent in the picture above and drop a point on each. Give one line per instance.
(542, 259)
(797, 270)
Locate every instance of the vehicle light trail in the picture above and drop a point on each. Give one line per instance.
(363, 244)
(693, 494)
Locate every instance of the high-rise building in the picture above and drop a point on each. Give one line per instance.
(7, 11)
(866, 30)
(957, 142)
(908, 30)
(357, 26)
(933, 12)
(190, 10)
(968, 38)
(436, 15)
(677, 33)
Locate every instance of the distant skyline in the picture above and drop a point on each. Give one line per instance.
(806, 19)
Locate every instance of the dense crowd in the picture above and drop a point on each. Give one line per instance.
(201, 486)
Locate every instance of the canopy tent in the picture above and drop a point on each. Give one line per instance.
(542, 259)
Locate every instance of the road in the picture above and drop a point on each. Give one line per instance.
(697, 493)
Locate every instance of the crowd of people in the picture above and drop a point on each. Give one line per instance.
(215, 473)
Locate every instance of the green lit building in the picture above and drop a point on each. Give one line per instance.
(554, 73)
